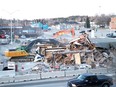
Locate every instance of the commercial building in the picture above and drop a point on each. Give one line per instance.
(113, 23)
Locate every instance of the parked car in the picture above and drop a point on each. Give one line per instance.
(4, 41)
(90, 80)
(84, 66)
(111, 35)
(67, 68)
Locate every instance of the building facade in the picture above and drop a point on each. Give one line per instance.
(113, 23)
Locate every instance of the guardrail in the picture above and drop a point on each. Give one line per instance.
(54, 74)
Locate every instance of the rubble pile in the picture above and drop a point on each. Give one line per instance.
(80, 50)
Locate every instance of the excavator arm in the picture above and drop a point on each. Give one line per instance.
(22, 53)
(62, 32)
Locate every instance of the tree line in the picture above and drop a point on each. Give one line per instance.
(99, 20)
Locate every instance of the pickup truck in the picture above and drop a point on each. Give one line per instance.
(90, 80)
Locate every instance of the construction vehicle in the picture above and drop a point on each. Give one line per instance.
(25, 54)
(66, 31)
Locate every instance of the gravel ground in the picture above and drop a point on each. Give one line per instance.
(6, 47)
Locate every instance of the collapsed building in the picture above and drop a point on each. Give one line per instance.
(81, 50)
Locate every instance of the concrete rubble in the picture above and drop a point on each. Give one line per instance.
(78, 51)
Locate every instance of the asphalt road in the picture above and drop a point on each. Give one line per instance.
(62, 83)
(38, 83)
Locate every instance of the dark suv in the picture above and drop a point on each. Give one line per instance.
(90, 80)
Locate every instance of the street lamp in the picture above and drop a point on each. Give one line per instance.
(11, 29)
(99, 10)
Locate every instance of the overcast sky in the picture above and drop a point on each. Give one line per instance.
(38, 9)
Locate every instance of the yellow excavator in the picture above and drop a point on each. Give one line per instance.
(24, 54)
(17, 55)
(21, 54)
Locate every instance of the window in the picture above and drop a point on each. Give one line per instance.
(91, 78)
(81, 77)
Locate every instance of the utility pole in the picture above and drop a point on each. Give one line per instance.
(11, 28)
